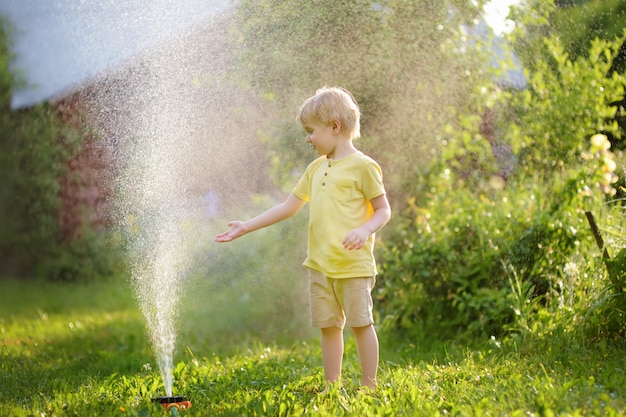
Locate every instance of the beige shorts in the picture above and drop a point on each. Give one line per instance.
(337, 302)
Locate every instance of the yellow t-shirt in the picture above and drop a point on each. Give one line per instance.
(339, 193)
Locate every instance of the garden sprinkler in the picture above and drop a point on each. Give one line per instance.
(173, 404)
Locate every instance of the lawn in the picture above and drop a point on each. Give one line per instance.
(81, 350)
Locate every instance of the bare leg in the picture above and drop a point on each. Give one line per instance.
(367, 348)
(332, 353)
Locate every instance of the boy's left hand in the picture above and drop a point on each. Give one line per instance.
(355, 239)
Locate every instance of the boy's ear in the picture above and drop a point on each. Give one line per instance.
(336, 126)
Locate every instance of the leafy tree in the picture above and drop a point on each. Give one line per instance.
(400, 58)
(577, 27)
(566, 102)
(577, 24)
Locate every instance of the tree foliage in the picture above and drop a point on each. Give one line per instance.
(578, 24)
(397, 57)
(566, 102)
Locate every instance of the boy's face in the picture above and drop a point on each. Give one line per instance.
(322, 137)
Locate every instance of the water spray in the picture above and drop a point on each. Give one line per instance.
(173, 404)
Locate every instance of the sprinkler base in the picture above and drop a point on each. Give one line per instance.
(173, 404)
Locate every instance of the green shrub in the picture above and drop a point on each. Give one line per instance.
(453, 271)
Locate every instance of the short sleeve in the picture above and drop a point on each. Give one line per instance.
(372, 180)
(302, 189)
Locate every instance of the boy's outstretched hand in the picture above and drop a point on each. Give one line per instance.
(236, 230)
(279, 212)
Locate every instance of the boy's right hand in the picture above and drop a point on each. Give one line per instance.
(236, 230)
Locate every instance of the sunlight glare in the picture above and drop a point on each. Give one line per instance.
(495, 13)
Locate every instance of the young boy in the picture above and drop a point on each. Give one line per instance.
(348, 206)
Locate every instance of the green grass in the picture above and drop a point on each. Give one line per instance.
(81, 350)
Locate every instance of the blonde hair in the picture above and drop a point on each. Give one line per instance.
(329, 104)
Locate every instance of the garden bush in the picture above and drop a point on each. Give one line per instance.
(482, 254)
